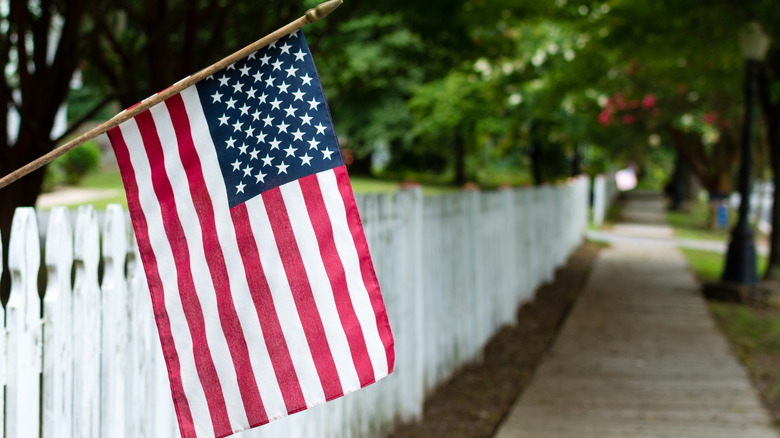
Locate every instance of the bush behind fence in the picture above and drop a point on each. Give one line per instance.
(85, 360)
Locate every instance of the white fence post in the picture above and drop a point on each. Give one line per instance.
(24, 327)
(114, 325)
(58, 327)
(86, 326)
(3, 358)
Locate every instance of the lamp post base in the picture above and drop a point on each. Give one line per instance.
(741, 258)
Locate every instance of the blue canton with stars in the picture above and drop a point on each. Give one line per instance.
(269, 120)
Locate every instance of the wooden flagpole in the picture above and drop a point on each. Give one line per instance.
(311, 16)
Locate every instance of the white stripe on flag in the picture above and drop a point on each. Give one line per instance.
(320, 284)
(204, 285)
(292, 327)
(169, 278)
(345, 246)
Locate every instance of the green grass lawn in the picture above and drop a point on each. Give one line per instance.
(111, 179)
(694, 223)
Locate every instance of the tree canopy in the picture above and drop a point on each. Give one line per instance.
(491, 91)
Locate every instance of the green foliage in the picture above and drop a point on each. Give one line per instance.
(73, 166)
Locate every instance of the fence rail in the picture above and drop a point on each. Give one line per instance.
(85, 361)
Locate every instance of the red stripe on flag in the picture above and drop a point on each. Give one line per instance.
(302, 294)
(366, 266)
(231, 326)
(183, 413)
(266, 312)
(323, 229)
(189, 298)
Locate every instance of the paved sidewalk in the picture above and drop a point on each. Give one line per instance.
(639, 355)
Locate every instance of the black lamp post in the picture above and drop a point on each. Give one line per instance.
(741, 256)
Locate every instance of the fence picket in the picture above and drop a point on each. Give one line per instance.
(58, 327)
(114, 364)
(24, 327)
(86, 326)
(2, 356)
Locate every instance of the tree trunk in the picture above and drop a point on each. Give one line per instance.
(772, 119)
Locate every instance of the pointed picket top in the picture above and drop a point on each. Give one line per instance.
(58, 327)
(86, 326)
(24, 326)
(114, 324)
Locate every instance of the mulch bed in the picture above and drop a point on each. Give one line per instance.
(472, 403)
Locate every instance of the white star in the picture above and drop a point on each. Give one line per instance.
(283, 87)
(277, 65)
(267, 120)
(326, 154)
(256, 115)
(244, 110)
(238, 86)
(275, 144)
(305, 159)
(320, 128)
(313, 104)
(244, 70)
(275, 104)
(240, 188)
(258, 76)
(290, 110)
(250, 132)
(231, 143)
(262, 98)
(223, 120)
(286, 48)
(298, 95)
(252, 55)
(299, 56)
(313, 143)
(231, 103)
(291, 71)
(282, 127)
(261, 137)
(270, 81)
(217, 97)
(223, 80)
(247, 170)
(242, 148)
(290, 151)
(306, 119)
(267, 160)
(236, 165)
(251, 93)
(231, 66)
(260, 177)
(306, 79)
(253, 154)
(237, 126)
(273, 44)
(265, 59)
(282, 168)
(298, 135)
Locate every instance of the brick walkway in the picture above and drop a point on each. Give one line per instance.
(639, 355)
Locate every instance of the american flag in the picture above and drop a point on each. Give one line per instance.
(262, 285)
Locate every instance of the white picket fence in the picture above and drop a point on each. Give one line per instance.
(85, 360)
